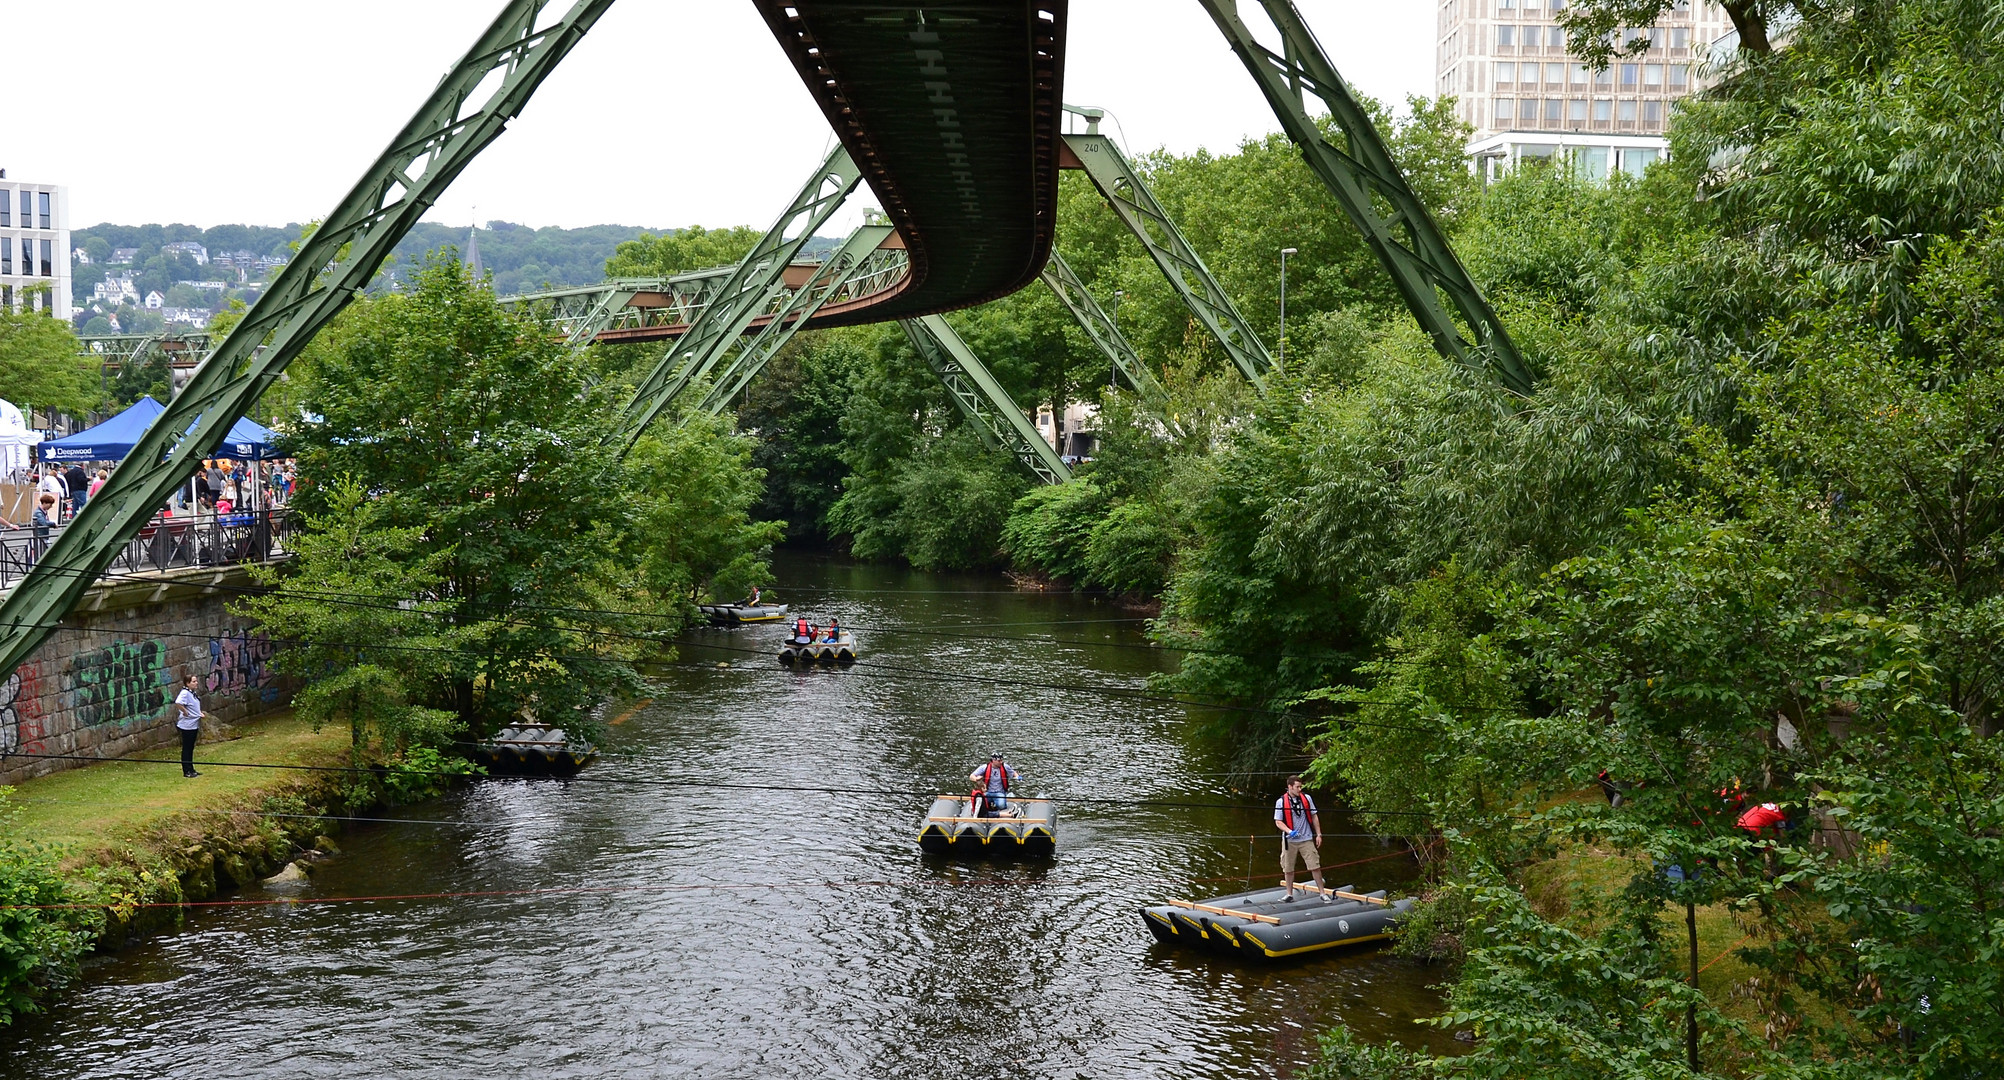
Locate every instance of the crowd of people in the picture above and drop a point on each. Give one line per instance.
(222, 486)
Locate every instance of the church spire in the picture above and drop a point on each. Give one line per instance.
(472, 259)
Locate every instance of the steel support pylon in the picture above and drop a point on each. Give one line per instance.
(988, 407)
(1407, 240)
(850, 270)
(1137, 208)
(1101, 328)
(753, 286)
(517, 51)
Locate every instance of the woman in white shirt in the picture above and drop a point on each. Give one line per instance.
(189, 723)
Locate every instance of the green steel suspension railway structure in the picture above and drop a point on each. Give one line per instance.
(952, 111)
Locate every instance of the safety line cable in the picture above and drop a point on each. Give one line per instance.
(722, 785)
(657, 640)
(587, 890)
(565, 825)
(389, 603)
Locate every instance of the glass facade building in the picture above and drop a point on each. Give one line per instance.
(35, 247)
(1506, 63)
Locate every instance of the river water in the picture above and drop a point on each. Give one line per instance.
(657, 927)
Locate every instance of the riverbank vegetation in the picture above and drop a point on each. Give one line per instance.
(1740, 547)
(476, 549)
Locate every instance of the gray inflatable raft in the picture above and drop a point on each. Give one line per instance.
(1260, 925)
(840, 650)
(740, 614)
(951, 828)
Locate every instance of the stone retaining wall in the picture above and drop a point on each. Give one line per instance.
(103, 684)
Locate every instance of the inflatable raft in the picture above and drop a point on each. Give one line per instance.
(951, 828)
(1259, 925)
(799, 650)
(740, 614)
(533, 750)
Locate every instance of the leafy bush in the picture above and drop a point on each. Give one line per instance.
(423, 773)
(39, 946)
(1131, 548)
(1050, 528)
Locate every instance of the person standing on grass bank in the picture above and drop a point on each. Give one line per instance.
(190, 723)
(1301, 836)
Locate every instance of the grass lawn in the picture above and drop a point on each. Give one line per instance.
(81, 809)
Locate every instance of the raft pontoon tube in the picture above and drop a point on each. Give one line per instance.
(533, 750)
(1259, 925)
(796, 649)
(951, 828)
(740, 614)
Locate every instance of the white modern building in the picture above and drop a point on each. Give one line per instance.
(1527, 98)
(34, 247)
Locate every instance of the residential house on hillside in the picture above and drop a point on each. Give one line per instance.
(124, 256)
(80, 256)
(189, 248)
(180, 316)
(116, 290)
(155, 301)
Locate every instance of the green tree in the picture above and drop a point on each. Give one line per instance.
(472, 427)
(693, 248)
(41, 365)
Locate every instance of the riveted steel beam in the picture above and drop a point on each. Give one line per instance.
(981, 398)
(755, 287)
(468, 110)
(1104, 332)
(858, 268)
(1361, 172)
(1137, 208)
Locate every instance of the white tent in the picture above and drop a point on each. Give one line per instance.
(17, 443)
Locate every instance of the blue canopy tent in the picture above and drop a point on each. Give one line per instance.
(247, 440)
(109, 441)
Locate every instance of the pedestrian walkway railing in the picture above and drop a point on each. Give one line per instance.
(253, 536)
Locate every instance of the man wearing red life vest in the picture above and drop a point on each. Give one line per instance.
(994, 778)
(1300, 836)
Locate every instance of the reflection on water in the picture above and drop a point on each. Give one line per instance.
(661, 928)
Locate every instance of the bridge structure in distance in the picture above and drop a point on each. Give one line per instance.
(951, 112)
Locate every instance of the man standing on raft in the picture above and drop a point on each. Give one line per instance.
(1301, 836)
(992, 794)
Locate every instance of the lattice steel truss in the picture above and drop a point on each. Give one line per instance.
(468, 110)
(1059, 277)
(981, 399)
(756, 286)
(1373, 192)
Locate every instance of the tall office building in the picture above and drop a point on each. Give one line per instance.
(34, 247)
(1506, 62)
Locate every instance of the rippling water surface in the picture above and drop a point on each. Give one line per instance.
(738, 932)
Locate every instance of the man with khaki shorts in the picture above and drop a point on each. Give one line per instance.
(1301, 836)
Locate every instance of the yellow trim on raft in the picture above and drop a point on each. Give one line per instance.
(1313, 948)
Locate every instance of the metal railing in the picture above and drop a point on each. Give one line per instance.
(252, 536)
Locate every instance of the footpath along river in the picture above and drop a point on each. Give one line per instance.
(758, 932)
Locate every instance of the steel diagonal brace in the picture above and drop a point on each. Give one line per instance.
(753, 286)
(1137, 208)
(1072, 293)
(333, 265)
(1421, 263)
(981, 399)
(849, 264)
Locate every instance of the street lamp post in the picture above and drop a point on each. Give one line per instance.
(1281, 354)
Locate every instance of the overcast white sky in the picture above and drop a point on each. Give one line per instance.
(670, 113)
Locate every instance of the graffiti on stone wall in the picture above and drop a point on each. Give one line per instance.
(21, 727)
(124, 681)
(241, 661)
